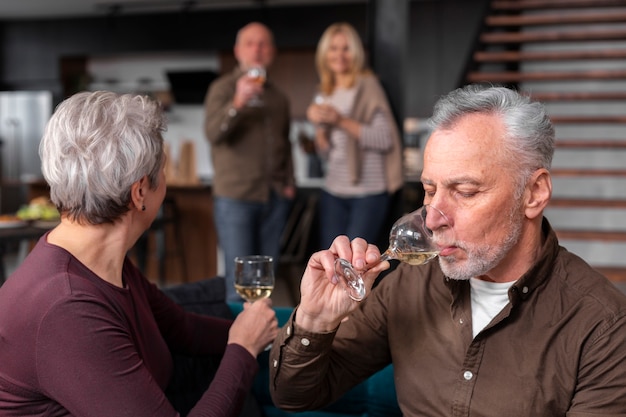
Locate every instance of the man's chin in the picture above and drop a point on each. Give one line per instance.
(453, 269)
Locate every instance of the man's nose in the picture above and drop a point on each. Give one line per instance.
(435, 217)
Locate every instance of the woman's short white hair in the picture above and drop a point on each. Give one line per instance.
(95, 146)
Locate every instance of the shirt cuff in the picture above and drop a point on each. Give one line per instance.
(305, 342)
(231, 113)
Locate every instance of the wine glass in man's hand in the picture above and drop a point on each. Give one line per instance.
(410, 241)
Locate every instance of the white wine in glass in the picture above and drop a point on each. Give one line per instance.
(258, 75)
(254, 277)
(410, 241)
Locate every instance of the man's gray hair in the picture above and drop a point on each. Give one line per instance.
(529, 140)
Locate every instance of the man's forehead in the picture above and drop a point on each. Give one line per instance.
(475, 136)
(465, 152)
(254, 33)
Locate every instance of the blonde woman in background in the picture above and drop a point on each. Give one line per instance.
(357, 136)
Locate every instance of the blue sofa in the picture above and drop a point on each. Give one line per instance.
(375, 397)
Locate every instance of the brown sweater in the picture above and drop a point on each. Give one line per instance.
(250, 148)
(371, 97)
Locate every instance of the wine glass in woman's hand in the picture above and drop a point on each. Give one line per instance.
(254, 277)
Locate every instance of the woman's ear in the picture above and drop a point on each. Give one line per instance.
(137, 193)
(538, 193)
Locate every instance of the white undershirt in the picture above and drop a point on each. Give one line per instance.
(488, 299)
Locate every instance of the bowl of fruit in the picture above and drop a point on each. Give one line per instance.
(40, 212)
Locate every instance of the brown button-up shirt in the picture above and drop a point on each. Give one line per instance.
(250, 147)
(558, 348)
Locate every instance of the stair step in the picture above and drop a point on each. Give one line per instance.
(518, 56)
(516, 77)
(587, 172)
(591, 144)
(556, 19)
(553, 36)
(502, 44)
(592, 235)
(615, 274)
(587, 119)
(576, 203)
(578, 96)
(553, 4)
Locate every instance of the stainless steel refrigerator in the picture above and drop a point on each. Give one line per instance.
(23, 117)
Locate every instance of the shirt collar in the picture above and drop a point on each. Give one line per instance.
(541, 269)
(538, 273)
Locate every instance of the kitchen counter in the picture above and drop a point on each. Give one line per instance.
(194, 206)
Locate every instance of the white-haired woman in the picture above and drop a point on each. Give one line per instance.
(82, 331)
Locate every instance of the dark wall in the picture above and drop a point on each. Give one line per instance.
(30, 51)
(441, 35)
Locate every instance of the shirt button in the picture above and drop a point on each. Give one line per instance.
(525, 290)
(468, 375)
(232, 112)
(460, 321)
(305, 341)
(275, 363)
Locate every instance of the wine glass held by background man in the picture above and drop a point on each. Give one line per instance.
(247, 124)
(506, 323)
(82, 331)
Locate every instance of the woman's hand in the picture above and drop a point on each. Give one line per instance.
(313, 113)
(323, 114)
(322, 142)
(255, 327)
(324, 302)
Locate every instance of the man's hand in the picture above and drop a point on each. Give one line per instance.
(245, 90)
(324, 302)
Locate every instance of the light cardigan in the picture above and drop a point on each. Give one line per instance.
(369, 98)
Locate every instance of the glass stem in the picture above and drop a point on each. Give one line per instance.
(386, 256)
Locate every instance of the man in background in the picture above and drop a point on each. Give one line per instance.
(247, 123)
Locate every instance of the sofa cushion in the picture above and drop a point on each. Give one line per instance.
(207, 297)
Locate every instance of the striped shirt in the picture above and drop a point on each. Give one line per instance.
(374, 142)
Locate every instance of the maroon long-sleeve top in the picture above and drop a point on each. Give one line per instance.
(72, 344)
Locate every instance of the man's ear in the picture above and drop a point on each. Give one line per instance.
(538, 193)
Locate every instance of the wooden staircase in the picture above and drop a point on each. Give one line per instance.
(571, 55)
